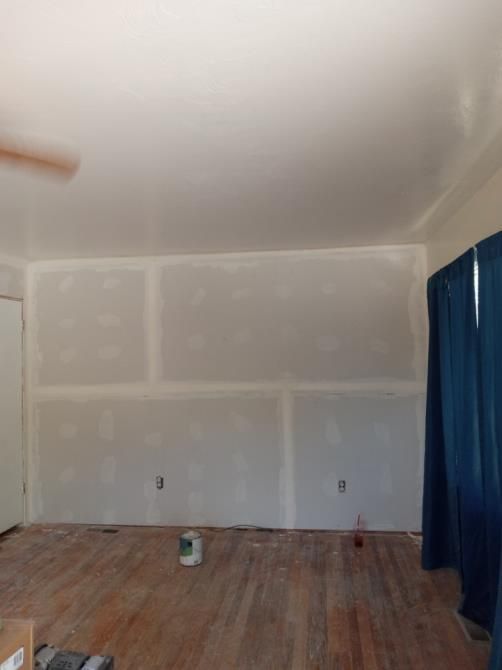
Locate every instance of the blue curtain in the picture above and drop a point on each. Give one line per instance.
(496, 659)
(489, 254)
(462, 512)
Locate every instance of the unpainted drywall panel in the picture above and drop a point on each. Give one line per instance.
(90, 326)
(11, 280)
(179, 367)
(370, 442)
(220, 458)
(313, 318)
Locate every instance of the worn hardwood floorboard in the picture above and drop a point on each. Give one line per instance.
(259, 600)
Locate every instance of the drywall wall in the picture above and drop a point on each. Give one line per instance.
(250, 382)
(265, 319)
(94, 330)
(12, 272)
(478, 218)
(103, 449)
(366, 441)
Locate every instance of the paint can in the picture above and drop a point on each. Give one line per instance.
(191, 548)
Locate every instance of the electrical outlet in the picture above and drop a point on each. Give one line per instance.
(159, 481)
(342, 487)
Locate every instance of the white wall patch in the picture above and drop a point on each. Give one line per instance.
(196, 472)
(386, 480)
(66, 284)
(154, 440)
(67, 355)
(242, 423)
(67, 475)
(196, 342)
(109, 352)
(379, 346)
(240, 491)
(111, 283)
(196, 502)
(328, 343)
(244, 336)
(106, 428)
(290, 333)
(67, 323)
(108, 470)
(5, 281)
(196, 430)
(382, 432)
(198, 297)
(333, 433)
(240, 293)
(109, 320)
(68, 431)
(283, 291)
(240, 462)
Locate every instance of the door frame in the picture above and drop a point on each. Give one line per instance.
(23, 404)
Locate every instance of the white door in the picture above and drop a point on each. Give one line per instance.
(11, 435)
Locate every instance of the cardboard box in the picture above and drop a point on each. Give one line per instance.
(16, 645)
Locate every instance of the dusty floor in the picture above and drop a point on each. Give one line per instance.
(259, 600)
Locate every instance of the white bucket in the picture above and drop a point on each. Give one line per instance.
(191, 548)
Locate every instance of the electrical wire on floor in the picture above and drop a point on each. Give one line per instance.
(416, 539)
(244, 526)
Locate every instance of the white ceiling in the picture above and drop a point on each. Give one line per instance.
(242, 124)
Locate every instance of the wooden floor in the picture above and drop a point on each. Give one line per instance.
(259, 600)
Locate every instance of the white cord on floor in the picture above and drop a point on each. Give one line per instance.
(416, 539)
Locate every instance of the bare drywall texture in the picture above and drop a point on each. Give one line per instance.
(91, 327)
(371, 443)
(340, 317)
(220, 459)
(213, 372)
(11, 278)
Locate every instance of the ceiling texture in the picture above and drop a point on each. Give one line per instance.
(226, 125)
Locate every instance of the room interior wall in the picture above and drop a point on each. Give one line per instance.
(478, 218)
(12, 274)
(252, 383)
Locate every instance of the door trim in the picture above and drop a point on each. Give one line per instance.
(23, 405)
